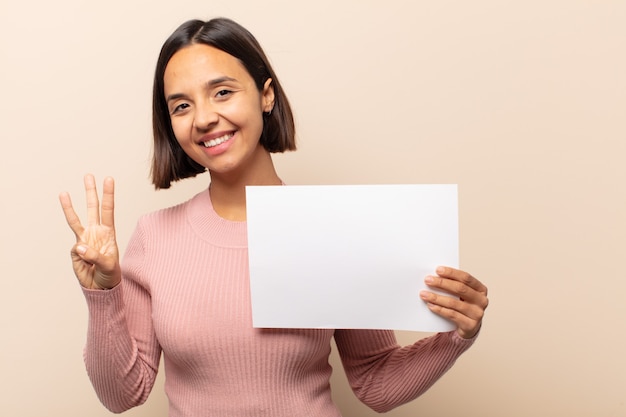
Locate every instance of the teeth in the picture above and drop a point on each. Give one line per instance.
(217, 141)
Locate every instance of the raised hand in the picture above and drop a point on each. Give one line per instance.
(95, 255)
(468, 309)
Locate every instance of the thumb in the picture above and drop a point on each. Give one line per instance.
(93, 257)
(86, 253)
(105, 271)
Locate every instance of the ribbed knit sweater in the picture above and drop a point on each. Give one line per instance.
(185, 292)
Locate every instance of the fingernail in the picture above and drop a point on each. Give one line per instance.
(441, 270)
(81, 249)
(429, 279)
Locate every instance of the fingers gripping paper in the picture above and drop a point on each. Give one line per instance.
(349, 256)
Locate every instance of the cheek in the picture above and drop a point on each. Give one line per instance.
(252, 118)
(181, 131)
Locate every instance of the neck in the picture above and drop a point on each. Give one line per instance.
(228, 191)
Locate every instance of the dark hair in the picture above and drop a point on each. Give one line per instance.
(169, 161)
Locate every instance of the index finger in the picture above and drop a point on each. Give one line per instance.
(70, 215)
(461, 276)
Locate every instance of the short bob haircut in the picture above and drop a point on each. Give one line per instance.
(169, 161)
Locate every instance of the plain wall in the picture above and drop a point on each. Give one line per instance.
(523, 104)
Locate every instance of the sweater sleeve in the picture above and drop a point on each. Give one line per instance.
(122, 353)
(384, 375)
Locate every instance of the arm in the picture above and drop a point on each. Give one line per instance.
(121, 354)
(384, 375)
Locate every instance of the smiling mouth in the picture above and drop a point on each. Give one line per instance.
(217, 141)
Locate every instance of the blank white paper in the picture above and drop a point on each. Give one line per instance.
(349, 257)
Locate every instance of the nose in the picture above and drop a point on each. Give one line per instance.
(205, 116)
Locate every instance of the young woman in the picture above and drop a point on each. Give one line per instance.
(183, 290)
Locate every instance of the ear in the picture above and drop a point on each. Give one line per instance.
(267, 96)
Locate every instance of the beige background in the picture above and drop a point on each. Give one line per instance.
(522, 104)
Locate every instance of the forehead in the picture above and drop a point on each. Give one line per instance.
(199, 63)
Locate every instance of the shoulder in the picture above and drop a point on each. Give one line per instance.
(171, 216)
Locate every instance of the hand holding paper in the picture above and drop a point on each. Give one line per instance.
(467, 310)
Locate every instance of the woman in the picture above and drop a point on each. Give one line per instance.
(183, 289)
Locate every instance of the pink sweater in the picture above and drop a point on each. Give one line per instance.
(185, 292)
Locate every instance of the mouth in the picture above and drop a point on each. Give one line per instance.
(217, 141)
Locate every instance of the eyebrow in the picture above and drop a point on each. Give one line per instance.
(210, 84)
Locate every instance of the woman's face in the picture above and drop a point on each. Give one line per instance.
(215, 108)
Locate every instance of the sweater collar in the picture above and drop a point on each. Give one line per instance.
(213, 228)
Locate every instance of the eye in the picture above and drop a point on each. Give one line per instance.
(223, 93)
(180, 107)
